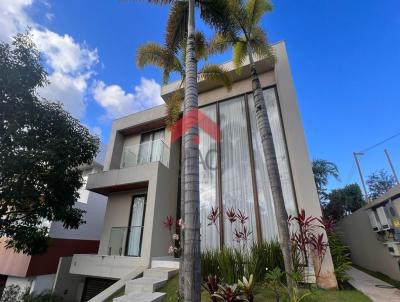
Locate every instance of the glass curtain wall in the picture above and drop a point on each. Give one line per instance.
(208, 182)
(267, 213)
(236, 175)
(237, 190)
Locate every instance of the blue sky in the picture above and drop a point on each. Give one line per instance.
(344, 55)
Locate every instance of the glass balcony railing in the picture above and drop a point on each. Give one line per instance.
(144, 153)
(125, 241)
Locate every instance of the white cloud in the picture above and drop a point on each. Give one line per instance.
(70, 63)
(62, 53)
(13, 17)
(118, 102)
(69, 90)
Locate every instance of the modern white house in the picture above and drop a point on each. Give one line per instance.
(141, 176)
(46, 271)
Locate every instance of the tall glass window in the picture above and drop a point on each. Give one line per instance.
(267, 213)
(208, 182)
(236, 187)
(237, 190)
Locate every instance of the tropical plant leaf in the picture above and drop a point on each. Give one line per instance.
(174, 106)
(176, 30)
(155, 54)
(255, 9)
(239, 53)
(221, 42)
(201, 46)
(214, 13)
(217, 74)
(260, 46)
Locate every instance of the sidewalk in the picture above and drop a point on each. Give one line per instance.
(367, 285)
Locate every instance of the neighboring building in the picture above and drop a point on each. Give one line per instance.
(141, 172)
(41, 272)
(373, 234)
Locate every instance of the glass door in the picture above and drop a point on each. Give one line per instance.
(136, 223)
(151, 146)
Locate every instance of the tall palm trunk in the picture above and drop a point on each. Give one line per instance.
(191, 171)
(272, 167)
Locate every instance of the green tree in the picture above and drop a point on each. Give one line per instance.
(343, 201)
(41, 150)
(379, 182)
(322, 170)
(243, 32)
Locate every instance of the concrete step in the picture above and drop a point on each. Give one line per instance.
(160, 272)
(144, 285)
(169, 262)
(141, 297)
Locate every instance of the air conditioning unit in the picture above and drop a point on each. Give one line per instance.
(384, 218)
(376, 226)
(393, 248)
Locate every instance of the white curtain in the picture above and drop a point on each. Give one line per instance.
(158, 145)
(208, 183)
(135, 229)
(237, 191)
(267, 213)
(145, 148)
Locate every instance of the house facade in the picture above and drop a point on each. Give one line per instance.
(141, 176)
(42, 272)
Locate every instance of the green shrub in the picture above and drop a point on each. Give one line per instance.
(340, 257)
(231, 264)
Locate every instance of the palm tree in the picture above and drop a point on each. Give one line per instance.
(167, 58)
(182, 23)
(243, 32)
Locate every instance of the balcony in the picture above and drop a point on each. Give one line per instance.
(125, 241)
(148, 152)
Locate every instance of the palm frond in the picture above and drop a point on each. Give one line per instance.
(216, 14)
(155, 54)
(201, 45)
(176, 30)
(215, 73)
(239, 54)
(221, 42)
(174, 106)
(255, 9)
(260, 46)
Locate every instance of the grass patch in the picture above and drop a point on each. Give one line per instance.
(379, 276)
(263, 294)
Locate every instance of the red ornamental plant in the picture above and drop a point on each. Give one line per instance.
(231, 215)
(169, 222)
(213, 216)
(306, 239)
(175, 247)
(240, 234)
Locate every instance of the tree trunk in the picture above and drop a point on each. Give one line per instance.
(191, 171)
(182, 215)
(273, 173)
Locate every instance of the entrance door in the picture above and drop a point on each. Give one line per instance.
(136, 223)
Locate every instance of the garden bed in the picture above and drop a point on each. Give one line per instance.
(264, 294)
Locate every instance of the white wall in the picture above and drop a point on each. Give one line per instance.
(42, 283)
(91, 230)
(95, 206)
(66, 285)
